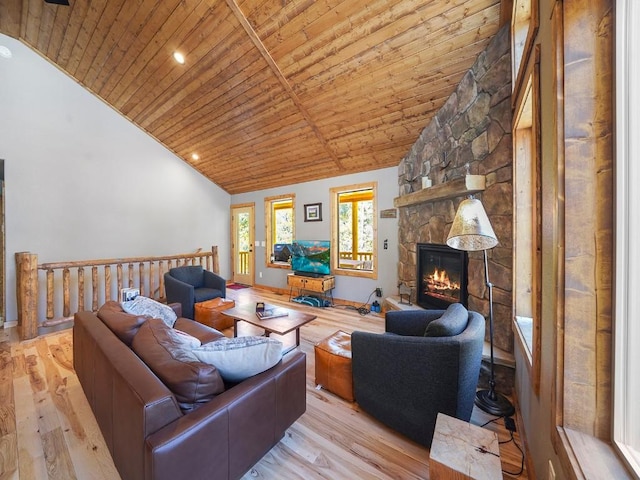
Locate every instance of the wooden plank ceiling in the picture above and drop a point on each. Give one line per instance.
(273, 92)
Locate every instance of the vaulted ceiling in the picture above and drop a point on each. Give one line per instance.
(272, 92)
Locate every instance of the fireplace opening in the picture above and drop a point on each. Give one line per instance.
(441, 276)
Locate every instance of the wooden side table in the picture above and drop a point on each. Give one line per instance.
(210, 313)
(461, 451)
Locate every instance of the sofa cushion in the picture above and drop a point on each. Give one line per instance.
(191, 381)
(239, 358)
(452, 322)
(150, 308)
(122, 324)
(202, 332)
(191, 274)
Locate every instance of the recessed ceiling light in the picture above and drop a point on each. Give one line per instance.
(5, 52)
(178, 57)
(195, 156)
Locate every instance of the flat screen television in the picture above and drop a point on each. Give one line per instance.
(311, 258)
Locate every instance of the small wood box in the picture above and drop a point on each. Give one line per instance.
(461, 451)
(210, 313)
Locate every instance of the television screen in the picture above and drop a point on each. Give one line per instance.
(311, 257)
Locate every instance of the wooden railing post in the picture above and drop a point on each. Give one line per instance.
(216, 263)
(27, 294)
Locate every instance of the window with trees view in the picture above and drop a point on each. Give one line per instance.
(280, 229)
(354, 230)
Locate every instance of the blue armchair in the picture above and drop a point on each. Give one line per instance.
(190, 284)
(404, 378)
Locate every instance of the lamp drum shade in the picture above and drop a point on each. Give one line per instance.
(471, 230)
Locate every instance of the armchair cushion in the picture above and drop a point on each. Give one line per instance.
(452, 322)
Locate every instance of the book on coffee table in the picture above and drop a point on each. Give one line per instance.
(272, 312)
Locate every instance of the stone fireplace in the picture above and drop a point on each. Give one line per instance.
(471, 134)
(441, 276)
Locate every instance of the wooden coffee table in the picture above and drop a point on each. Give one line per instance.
(280, 325)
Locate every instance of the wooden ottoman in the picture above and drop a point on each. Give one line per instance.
(210, 313)
(333, 364)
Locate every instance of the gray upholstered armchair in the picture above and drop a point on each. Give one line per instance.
(190, 284)
(404, 378)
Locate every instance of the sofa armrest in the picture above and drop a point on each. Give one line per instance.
(177, 308)
(410, 322)
(228, 435)
(215, 281)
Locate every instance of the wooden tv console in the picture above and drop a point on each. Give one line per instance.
(321, 285)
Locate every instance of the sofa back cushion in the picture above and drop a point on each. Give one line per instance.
(452, 322)
(191, 274)
(192, 382)
(122, 324)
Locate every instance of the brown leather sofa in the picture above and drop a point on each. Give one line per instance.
(147, 432)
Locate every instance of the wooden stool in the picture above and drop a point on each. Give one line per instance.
(333, 365)
(463, 451)
(210, 313)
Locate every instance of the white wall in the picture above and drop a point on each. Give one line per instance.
(347, 288)
(82, 182)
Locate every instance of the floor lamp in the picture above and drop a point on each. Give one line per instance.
(471, 231)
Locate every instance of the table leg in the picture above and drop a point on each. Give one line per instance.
(235, 327)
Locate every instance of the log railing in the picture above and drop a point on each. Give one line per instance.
(67, 286)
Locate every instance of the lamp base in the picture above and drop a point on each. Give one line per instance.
(494, 403)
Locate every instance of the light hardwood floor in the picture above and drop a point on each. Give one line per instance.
(47, 429)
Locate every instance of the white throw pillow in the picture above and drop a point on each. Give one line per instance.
(183, 339)
(150, 308)
(240, 358)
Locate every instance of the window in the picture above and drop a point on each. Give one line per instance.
(626, 417)
(280, 229)
(354, 230)
(527, 222)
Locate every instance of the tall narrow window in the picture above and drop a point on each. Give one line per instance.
(527, 222)
(354, 229)
(280, 229)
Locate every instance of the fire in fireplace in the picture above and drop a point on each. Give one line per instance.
(441, 276)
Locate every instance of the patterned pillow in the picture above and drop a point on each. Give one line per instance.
(240, 358)
(150, 308)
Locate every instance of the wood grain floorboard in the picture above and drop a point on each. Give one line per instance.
(47, 430)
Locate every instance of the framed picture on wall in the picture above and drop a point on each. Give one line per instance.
(313, 212)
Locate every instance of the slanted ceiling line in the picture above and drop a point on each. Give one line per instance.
(280, 76)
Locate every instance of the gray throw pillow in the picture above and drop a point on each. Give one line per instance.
(452, 322)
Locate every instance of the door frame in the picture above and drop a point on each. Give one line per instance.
(252, 235)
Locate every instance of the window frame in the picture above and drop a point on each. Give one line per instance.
(269, 203)
(626, 386)
(335, 204)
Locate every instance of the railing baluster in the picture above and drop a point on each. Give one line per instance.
(107, 283)
(80, 289)
(152, 292)
(141, 278)
(66, 310)
(161, 279)
(94, 289)
(119, 278)
(130, 275)
(50, 312)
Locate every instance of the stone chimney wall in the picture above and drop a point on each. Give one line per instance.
(471, 133)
